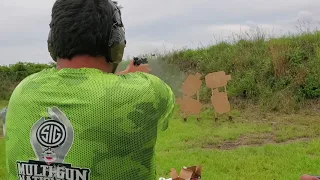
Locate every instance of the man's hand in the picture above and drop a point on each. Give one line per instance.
(308, 177)
(131, 68)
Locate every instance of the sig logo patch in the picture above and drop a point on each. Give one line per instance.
(51, 139)
(51, 133)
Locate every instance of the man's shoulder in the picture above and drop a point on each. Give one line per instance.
(143, 81)
(140, 75)
(145, 78)
(28, 80)
(34, 75)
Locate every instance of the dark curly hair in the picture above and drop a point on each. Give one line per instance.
(80, 27)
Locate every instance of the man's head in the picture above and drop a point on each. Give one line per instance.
(85, 32)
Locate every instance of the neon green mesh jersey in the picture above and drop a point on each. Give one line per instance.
(81, 124)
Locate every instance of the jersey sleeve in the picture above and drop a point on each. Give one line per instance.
(164, 100)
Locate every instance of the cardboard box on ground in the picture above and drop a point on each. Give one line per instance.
(186, 173)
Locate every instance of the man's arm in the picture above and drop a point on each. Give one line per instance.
(122, 72)
(308, 177)
(3, 114)
(132, 68)
(164, 97)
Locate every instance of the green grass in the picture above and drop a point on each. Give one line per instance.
(3, 104)
(280, 162)
(289, 150)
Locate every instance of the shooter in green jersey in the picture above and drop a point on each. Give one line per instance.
(80, 120)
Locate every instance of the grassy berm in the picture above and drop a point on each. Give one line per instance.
(275, 98)
(277, 74)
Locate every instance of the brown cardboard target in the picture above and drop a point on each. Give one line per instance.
(217, 79)
(189, 106)
(220, 102)
(191, 85)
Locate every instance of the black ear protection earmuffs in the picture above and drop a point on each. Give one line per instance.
(116, 41)
(49, 41)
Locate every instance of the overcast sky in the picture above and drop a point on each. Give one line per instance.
(154, 25)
